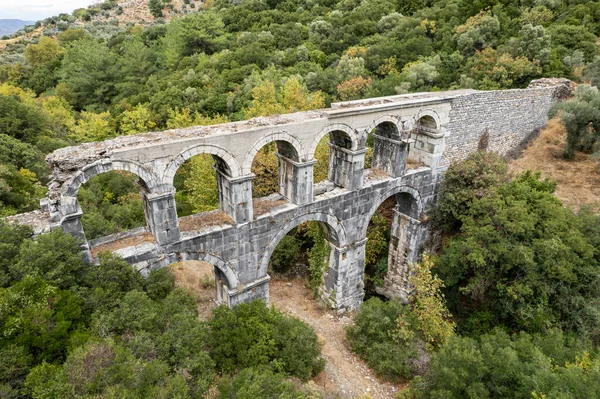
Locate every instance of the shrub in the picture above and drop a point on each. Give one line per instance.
(252, 335)
(393, 338)
(522, 261)
(496, 365)
(581, 117)
(374, 338)
(259, 383)
(465, 181)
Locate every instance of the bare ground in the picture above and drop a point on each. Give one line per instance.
(578, 179)
(197, 278)
(345, 375)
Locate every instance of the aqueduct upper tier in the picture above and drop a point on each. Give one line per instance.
(432, 129)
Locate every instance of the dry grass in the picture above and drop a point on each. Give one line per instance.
(123, 243)
(412, 164)
(204, 220)
(262, 206)
(197, 278)
(578, 179)
(375, 173)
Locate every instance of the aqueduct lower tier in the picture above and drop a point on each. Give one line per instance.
(431, 129)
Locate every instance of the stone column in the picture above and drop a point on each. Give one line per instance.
(346, 167)
(344, 280)
(235, 196)
(428, 149)
(68, 217)
(389, 155)
(296, 180)
(161, 216)
(406, 237)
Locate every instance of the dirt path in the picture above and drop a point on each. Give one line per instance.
(345, 375)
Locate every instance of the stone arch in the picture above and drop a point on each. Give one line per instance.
(294, 144)
(346, 137)
(335, 229)
(228, 161)
(215, 260)
(389, 122)
(428, 122)
(149, 181)
(411, 191)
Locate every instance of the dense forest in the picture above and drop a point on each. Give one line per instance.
(506, 305)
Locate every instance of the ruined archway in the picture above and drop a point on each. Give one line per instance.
(386, 138)
(339, 160)
(335, 232)
(277, 162)
(398, 210)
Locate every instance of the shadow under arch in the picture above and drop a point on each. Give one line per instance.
(287, 145)
(224, 160)
(335, 231)
(215, 260)
(149, 181)
(414, 208)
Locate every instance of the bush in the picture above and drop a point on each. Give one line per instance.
(374, 338)
(259, 383)
(581, 118)
(496, 365)
(465, 181)
(252, 335)
(393, 338)
(521, 260)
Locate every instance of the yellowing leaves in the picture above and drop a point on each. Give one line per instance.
(293, 96)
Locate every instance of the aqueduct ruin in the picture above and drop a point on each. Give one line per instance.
(432, 129)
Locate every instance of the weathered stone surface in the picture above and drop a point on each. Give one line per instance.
(433, 129)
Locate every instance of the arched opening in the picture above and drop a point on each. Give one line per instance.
(386, 150)
(197, 192)
(299, 263)
(322, 155)
(377, 246)
(425, 142)
(394, 233)
(274, 167)
(111, 203)
(427, 124)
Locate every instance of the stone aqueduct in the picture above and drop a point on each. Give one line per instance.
(430, 129)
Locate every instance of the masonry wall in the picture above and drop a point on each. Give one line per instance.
(509, 116)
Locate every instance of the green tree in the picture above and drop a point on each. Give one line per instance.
(87, 70)
(581, 117)
(21, 121)
(521, 261)
(496, 365)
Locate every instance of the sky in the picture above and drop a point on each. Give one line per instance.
(33, 10)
